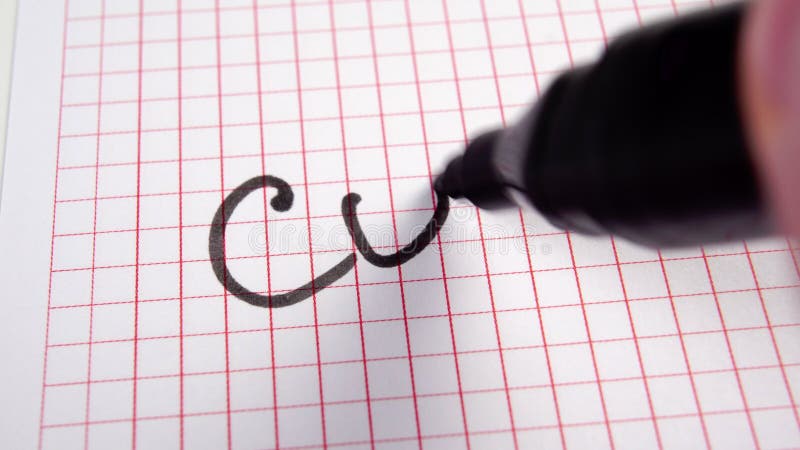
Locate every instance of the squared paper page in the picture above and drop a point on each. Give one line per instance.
(130, 123)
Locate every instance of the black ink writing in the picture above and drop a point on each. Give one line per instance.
(282, 201)
(402, 256)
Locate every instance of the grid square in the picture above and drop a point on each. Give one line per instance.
(687, 277)
(527, 367)
(347, 422)
(251, 389)
(111, 400)
(158, 319)
(534, 407)
(205, 430)
(393, 419)
(158, 397)
(389, 378)
(519, 329)
(718, 392)
(617, 359)
(116, 284)
(557, 288)
(672, 395)
(56, 397)
(742, 309)
(765, 388)
(697, 314)
(115, 249)
(437, 415)
(608, 321)
(158, 357)
(776, 428)
(564, 325)
(513, 292)
(120, 87)
(159, 246)
(204, 393)
(105, 435)
(250, 350)
(340, 343)
(204, 353)
(653, 317)
(59, 438)
(781, 272)
(343, 382)
(385, 339)
(112, 360)
(481, 371)
(68, 326)
(251, 425)
(579, 403)
(730, 273)
(475, 332)
(681, 432)
(707, 351)
(572, 363)
(297, 386)
(71, 288)
(600, 284)
(753, 348)
(157, 282)
(487, 411)
(643, 280)
(625, 399)
(662, 356)
(425, 298)
(75, 184)
(63, 364)
(300, 426)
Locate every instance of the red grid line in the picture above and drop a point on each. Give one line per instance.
(330, 58)
(248, 64)
(771, 330)
(432, 316)
(94, 231)
(376, 74)
(257, 46)
(456, 365)
(681, 334)
(40, 435)
(420, 23)
(408, 25)
(221, 143)
(439, 355)
(575, 270)
(729, 348)
(275, 122)
(460, 104)
(332, 22)
(625, 292)
(483, 242)
(442, 435)
(308, 219)
(181, 386)
(538, 307)
(134, 412)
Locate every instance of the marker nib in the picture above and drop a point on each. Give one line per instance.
(449, 182)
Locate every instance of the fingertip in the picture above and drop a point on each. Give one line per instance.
(770, 87)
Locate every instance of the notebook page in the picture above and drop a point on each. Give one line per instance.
(147, 117)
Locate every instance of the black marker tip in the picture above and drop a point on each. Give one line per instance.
(449, 182)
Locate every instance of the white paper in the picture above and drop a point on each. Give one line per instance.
(137, 344)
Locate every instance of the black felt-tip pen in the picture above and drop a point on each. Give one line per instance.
(646, 143)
